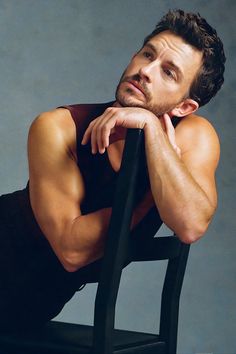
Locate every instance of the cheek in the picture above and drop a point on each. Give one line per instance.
(164, 92)
(171, 89)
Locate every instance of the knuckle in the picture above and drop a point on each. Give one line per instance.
(99, 128)
(105, 128)
(93, 134)
(111, 109)
(91, 124)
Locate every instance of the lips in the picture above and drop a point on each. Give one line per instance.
(136, 86)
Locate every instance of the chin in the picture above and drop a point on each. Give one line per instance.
(129, 100)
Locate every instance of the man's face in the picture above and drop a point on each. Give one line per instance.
(160, 75)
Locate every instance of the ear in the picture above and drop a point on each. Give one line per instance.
(184, 108)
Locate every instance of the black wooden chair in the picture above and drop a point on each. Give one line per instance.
(102, 338)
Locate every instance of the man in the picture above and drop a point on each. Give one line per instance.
(179, 68)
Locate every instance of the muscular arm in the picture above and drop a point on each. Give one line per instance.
(57, 190)
(184, 188)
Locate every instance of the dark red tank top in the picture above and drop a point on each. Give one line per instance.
(98, 174)
(100, 180)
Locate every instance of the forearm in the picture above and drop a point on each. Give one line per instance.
(183, 205)
(85, 240)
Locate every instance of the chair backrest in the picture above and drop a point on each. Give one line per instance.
(122, 249)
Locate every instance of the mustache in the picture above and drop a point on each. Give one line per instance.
(139, 80)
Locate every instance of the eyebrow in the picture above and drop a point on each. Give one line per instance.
(169, 62)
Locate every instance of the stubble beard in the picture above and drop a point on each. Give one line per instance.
(127, 98)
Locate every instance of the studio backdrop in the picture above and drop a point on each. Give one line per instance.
(58, 52)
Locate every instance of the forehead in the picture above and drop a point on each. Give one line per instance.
(172, 47)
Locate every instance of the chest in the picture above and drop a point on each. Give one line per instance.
(99, 177)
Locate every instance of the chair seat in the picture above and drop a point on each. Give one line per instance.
(67, 338)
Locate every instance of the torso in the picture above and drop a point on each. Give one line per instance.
(114, 151)
(186, 129)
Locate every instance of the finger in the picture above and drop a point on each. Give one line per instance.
(97, 143)
(104, 130)
(107, 130)
(105, 134)
(93, 140)
(87, 133)
(170, 130)
(98, 137)
(86, 136)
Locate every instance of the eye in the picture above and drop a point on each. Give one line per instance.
(147, 54)
(169, 73)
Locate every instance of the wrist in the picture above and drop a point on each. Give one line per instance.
(153, 128)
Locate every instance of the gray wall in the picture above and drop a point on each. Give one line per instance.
(55, 52)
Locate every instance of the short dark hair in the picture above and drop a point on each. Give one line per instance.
(197, 32)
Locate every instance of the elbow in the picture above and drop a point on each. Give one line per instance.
(193, 228)
(189, 237)
(73, 261)
(192, 233)
(69, 267)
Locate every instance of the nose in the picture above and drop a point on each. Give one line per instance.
(147, 70)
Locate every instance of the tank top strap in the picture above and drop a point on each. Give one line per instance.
(83, 114)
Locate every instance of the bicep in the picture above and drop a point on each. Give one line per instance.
(203, 172)
(56, 184)
(200, 153)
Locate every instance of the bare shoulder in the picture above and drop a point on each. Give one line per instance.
(196, 132)
(56, 126)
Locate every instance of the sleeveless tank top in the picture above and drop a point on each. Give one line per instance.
(100, 180)
(31, 274)
(98, 174)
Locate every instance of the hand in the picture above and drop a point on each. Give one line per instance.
(115, 120)
(170, 132)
